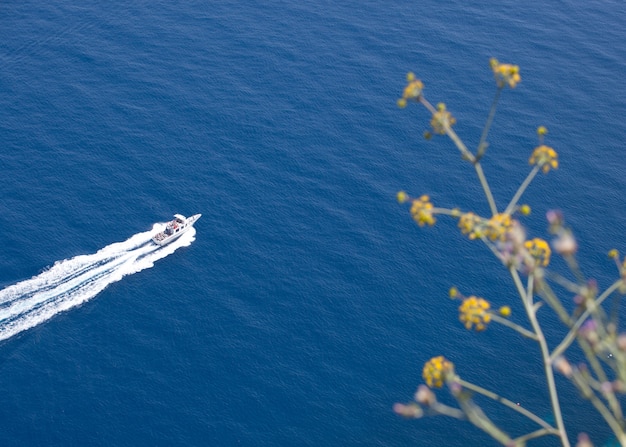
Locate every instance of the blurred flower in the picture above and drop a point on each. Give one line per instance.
(505, 311)
(402, 196)
(584, 441)
(505, 74)
(545, 157)
(469, 223)
(422, 211)
(524, 210)
(539, 250)
(425, 396)
(442, 120)
(413, 90)
(408, 411)
(436, 371)
(565, 244)
(453, 292)
(498, 226)
(589, 330)
(563, 366)
(474, 313)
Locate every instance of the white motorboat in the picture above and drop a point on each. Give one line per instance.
(175, 229)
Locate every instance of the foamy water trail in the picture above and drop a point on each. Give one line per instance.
(71, 282)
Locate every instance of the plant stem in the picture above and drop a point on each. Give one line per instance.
(477, 417)
(507, 403)
(536, 434)
(571, 335)
(521, 189)
(482, 147)
(587, 392)
(485, 185)
(545, 353)
(515, 327)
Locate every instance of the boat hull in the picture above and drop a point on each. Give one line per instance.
(175, 229)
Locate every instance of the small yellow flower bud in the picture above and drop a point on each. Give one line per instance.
(402, 197)
(455, 212)
(410, 76)
(541, 131)
(524, 210)
(505, 311)
(613, 254)
(454, 292)
(401, 103)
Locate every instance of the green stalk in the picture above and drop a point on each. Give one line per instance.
(521, 189)
(516, 327)
(571, 335)
(602, 409)
(482, 145)
(521, 441)
(512, 405)
(545, 353)
(486, 189)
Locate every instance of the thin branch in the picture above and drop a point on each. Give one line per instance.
(516, 327)
(571, 335)
(545, 354)
(521, 189)
(536, 434)
(512, 405)
(486, 189)
(482, 144)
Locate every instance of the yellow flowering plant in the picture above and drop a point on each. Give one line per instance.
(601, 379)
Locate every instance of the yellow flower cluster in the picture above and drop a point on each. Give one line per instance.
(469, 223)
(474, 312)
(413, 90)
(545, 157)
(436, 370)
(442, 120)
(498, 226)
(422, 211)
(505, 74)
(539, 250)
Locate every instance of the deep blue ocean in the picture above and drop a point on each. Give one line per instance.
(306, 302)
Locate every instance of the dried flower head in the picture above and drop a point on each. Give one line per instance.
(563, 366)
(436, 371)
(544, 157)
(498, 226)
(565, 243)
(425, 396)
(412, 91)
(422, 211)
(442, 120)
(470, 224)
(539, 250)
(505, 74)
(474, 313)
(412, 411)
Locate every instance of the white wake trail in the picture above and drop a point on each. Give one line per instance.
(71, 282)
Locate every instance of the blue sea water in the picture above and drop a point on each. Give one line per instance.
(307, 301)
